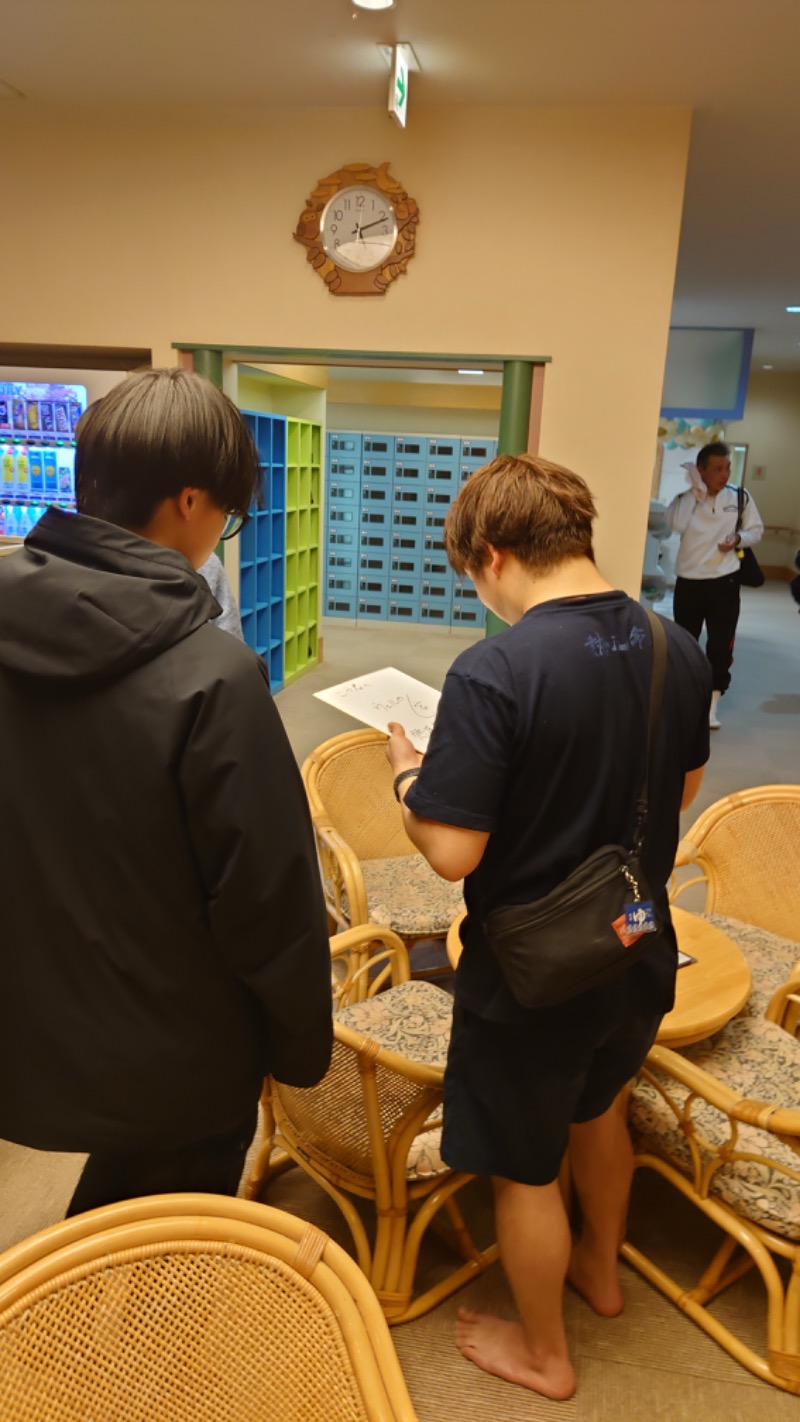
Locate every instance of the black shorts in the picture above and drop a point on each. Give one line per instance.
(512, 1090)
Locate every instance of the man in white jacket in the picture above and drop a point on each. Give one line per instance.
(707, 588)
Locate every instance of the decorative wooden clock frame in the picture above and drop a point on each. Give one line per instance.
(339, 281)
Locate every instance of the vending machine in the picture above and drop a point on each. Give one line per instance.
(37, 451)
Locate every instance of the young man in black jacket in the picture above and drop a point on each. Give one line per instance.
(164, 941)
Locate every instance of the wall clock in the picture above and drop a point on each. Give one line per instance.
(359, 229)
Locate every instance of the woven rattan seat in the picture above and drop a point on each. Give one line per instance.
(747, 847)
(192, 1308)
(370, 869)
(720, 1121)
(370, 1128)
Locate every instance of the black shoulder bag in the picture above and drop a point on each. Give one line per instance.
(599, 920)
(750, 574)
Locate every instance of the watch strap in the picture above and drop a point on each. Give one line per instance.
(404, 775)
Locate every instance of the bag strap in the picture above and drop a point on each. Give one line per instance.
(656, 695)
(740, 498)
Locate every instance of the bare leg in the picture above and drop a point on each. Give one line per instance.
(601, 1157)
(534, 1238)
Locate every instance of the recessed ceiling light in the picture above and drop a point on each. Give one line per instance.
(793, 308)
(373, 4)
(471, 372)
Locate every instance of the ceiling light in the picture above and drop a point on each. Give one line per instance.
(373, 4)
(766, 367)
(471, 372)
(793, 308)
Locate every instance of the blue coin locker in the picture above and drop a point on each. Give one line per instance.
(378, 445)
(345, 442)
(337, 605)
(373, 562)
(444, 447)
(409, 562)
(374, 539)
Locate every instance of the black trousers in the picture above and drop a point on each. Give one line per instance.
(714, 601)
(211, 1167)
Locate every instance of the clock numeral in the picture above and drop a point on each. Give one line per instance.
(360, 200)
(338, 214)
(333, 227)
(347, 204)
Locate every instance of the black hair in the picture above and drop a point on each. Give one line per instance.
(157, 432)
(712, 451)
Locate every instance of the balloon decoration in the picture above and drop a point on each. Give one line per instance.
(678, 434)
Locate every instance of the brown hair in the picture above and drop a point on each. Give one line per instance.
(157, 432)
(540, 512)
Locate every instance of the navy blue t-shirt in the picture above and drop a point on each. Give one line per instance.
(540, 740)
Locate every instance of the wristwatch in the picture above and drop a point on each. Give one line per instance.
(404, 775)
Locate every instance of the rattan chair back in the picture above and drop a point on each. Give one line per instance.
(343, 1125)
(349, 785)
(186, 1307)
(747, 847)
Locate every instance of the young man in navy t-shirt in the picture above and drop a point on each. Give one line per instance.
(537, 759)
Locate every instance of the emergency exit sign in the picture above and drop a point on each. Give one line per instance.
(398, 84)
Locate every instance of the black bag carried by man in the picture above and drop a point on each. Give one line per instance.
(750, 574)
(588, 930)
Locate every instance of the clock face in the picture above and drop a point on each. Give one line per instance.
(358, 228)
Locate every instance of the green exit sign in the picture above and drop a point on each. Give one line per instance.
(398, 84)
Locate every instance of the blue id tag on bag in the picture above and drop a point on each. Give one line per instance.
(640, 918)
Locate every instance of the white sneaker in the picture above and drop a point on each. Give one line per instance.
(713, 718)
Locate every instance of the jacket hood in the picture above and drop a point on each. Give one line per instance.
(85, 601)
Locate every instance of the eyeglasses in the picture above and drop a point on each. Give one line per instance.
(235, 523)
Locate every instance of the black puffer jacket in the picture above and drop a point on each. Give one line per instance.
(163, 941)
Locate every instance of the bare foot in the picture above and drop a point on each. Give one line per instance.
(500, 1348)
(600, 1290)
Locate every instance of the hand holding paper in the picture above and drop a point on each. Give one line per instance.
(401, 753)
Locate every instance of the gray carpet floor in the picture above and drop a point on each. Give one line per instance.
(652, 1362)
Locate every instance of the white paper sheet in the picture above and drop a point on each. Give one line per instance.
(387, 695)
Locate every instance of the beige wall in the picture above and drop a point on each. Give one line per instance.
(542, 232)
(771, 429)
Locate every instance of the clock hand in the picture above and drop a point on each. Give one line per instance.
(373, 224)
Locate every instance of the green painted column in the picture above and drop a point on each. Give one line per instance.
(208, 362)
(515, 415)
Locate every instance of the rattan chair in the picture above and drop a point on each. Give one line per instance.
(720, 1122)
(370, 1130)
(192, 1308)
(747, 847)
(370, 869)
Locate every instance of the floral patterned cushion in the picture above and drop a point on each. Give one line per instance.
(415, 1019)
(407, 895)
(760, 1061)
(771, 959)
